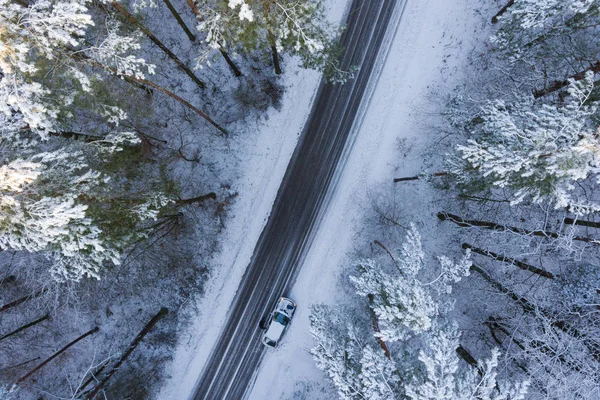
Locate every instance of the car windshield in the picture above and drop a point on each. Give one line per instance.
(282, 319)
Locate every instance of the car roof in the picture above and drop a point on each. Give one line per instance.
(275, 330)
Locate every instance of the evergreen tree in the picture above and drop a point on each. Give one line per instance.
(444, 380)
(539, 151)
(296, 28)
(402, 303)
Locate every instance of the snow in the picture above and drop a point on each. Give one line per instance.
(428, 49)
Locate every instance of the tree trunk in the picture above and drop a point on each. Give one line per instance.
(154, 39)
(21, 300)
(229, 61)
(160, 315)
(590, 224)
(512, 261)
(375, 324)
(187, 31)
(20, 364)
(274, 54)
(417, 177)
(22, 328)
(378, 243)
(497, 227)
(557, 85)
(502, 11)
(194, 9)
(199, 199)
(93, 377)
(79, 57)
(53, 356)
(529, 308)
(469, 359)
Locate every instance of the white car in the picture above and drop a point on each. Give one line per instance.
(278, 321)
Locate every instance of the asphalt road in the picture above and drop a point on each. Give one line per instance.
(233, 363)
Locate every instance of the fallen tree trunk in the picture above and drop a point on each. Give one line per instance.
(22, 328)
(160, 315)
(502, 11)
(199, 199)
(508, 260)
(557, 85)
(21, 300)
(158, 43)
(464, 223)
(53, 356)
(417, 177)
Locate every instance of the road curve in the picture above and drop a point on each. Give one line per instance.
(232, 365)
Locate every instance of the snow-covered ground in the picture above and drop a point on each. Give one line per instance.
(432, 43)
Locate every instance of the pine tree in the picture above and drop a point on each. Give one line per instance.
(444, 380)
(539, 151)
(350, 358)
(296, 28)
(402, 303)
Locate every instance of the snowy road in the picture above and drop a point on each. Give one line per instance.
(232, 366)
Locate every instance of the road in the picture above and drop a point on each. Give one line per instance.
(231, 368)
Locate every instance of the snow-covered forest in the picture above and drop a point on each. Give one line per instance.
(486, 285)
(125, 129)
(122, 128)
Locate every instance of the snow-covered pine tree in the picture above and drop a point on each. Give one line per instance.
(536, 150)
(296, 28)
(350, 356)
(444, 379)
(528, 21)
(7, 393)
(404, 305)
(51, 37)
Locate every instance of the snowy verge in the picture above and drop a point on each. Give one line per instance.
(265, 156)
(431, 45)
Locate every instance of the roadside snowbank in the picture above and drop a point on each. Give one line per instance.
(433, 42)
